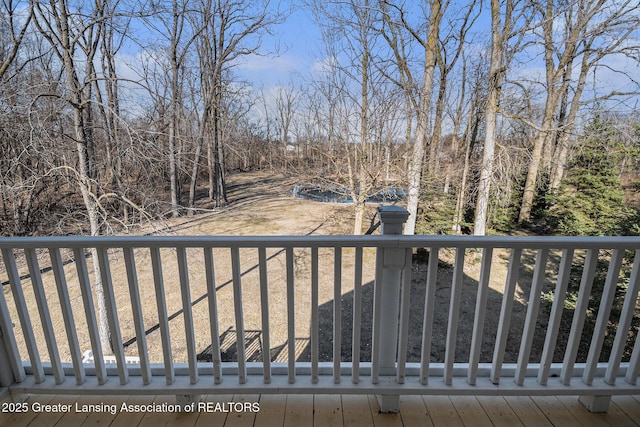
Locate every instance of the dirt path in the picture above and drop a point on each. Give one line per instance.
(261, 204)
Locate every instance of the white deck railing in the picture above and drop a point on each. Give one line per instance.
(48, 315)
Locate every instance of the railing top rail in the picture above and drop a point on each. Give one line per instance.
(401, 241)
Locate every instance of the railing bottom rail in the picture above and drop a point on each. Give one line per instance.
(325, 385)
(229, 371)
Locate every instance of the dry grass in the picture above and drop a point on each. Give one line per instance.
(259, 206)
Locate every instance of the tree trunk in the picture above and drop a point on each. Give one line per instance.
(436, 147)
(562, 158)
(417, 153)
(470, 135)
(219, 181)
(196, 160)
(486, 170)
(491, 115)
(532, 176)
(462, 192)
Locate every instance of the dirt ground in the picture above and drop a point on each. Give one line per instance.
(261, 204)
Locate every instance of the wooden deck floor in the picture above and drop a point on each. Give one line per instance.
(321, 410)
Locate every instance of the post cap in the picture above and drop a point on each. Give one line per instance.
(393, 214)
(392, 219)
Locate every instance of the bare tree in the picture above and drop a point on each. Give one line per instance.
(477, 83)
(70, 34)
(586, 31)
(395, 21)
(503, 30)
(286, 106)
(17, 188)
(170, 21)
(230, 29)
(451, 47)
(348, 31)
(324, 98)
(108, 106)
(14, 23)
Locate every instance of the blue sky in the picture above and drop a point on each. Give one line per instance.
(293, 52)
(298, 44)
(294, 49)
(290, 53)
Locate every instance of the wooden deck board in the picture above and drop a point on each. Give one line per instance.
(299, 410)
(102, 418)
(333, 410)
(413, 412)
(155, 419)
(614, 417)
(442, 411)
(20, 419)
(470, 411)
(630, 405)
(527, 411)
(555, 411)
(356, 411)
(216, 417)
(272, 410)
(124, 419)
(51, 418)
(242, 418)
(79, 415)
(327, 410)
(499, 411)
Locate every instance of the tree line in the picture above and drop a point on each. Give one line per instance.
(489, 113)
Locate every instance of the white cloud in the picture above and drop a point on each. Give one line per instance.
(323, 66)
(282, 63)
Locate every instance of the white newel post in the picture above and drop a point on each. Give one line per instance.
(392, 219)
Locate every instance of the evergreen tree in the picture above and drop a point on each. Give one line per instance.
(590, 200)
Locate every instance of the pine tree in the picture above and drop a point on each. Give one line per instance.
(590, 200)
